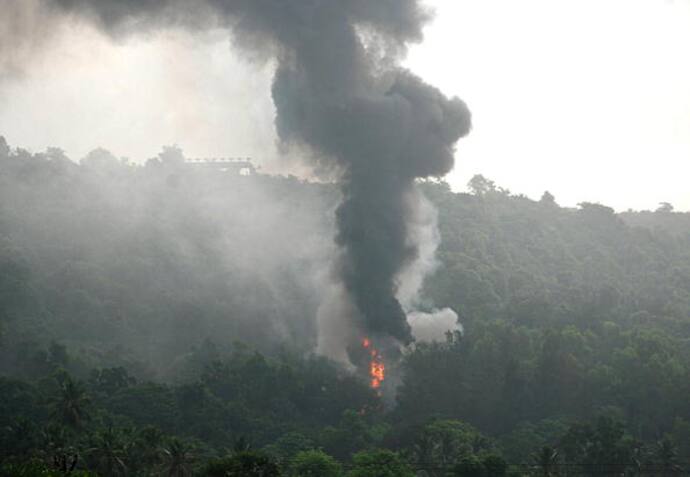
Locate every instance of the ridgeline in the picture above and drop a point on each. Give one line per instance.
(158, 319)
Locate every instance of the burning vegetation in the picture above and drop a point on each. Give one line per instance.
(377, 368)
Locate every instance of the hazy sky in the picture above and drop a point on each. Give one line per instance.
(589, 99)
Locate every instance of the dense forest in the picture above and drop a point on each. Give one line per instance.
(158, 319)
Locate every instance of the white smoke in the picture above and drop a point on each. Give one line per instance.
(423, 233)
(335, 324)
(433, 326)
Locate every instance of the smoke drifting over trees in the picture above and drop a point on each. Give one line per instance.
(148, 262)
(166, 318)
(138, 281)
(340, 96)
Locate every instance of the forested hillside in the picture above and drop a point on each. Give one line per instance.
(160, 320)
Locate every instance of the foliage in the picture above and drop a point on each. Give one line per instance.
(314, 463)
(379, 463)
(151, 320)
(243, 464)
(36, 468)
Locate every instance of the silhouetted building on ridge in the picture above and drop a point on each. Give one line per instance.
(238, 165)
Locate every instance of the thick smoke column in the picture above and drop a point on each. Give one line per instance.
(337, 91)
(383, 126)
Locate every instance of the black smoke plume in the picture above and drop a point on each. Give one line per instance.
(339, 92)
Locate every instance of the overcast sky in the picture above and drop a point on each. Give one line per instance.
(589, 99)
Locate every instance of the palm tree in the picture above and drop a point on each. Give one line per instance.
(665, 456)
(55, 436)
(241, 445)
(70, 406)
(179, 458)
(146, 452)
(21, 435)
(109, 451)
(547, 461)
(58, 446)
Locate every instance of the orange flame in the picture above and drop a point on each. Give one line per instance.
(377, 370)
